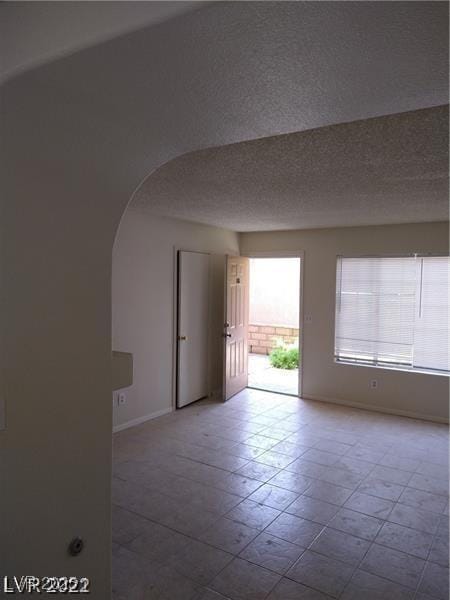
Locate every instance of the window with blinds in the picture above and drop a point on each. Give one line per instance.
(393, 312)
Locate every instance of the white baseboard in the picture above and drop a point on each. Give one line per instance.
(139, 420)
(381, 409)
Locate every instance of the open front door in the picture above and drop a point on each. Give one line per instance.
(236, 325)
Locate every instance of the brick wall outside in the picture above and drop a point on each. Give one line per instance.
(263, 338)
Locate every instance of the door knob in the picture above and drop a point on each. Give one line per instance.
(225, 335)
(182, 338)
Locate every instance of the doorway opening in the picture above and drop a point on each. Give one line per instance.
(274, 348)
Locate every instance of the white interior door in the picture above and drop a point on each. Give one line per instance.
(236, 325)
(192, 334)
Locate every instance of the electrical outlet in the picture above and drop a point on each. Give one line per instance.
(374, 384)
(121, 398)
(308, 319)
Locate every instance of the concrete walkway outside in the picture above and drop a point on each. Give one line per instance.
(263, 376)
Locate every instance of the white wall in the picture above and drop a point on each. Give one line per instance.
(274, 291)
(407, 393)
(142, 304)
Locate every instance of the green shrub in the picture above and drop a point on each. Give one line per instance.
(284, 357)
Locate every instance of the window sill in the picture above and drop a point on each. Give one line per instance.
(388, 368)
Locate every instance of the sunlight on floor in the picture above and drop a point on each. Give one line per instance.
(262, 376)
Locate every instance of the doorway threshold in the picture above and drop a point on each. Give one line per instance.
(291, 394)
(263, 376)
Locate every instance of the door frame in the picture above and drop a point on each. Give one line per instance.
(291, 254)
(175, 312)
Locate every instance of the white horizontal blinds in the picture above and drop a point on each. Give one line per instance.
(431, 336)
(394, 311)
(375, 308)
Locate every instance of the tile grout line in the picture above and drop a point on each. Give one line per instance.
(303, 425)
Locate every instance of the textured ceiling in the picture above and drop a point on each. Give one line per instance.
(391, 169)
(230, 72)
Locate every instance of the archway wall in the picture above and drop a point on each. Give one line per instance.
(78, 136)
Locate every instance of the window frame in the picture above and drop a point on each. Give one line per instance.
(390, 366)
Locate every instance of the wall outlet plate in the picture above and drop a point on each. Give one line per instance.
(374, 384)
(121, 398)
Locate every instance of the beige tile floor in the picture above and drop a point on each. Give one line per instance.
(271, 497)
